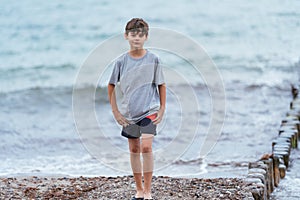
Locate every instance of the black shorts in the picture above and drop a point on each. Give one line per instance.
(134, 131)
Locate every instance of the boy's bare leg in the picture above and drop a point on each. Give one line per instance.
(136, 166)
(147, 140)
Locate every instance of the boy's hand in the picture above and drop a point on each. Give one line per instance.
(120, 118)
(159, 116)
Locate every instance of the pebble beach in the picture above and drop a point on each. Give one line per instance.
(121, 187)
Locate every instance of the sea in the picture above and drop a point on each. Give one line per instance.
(253, 47)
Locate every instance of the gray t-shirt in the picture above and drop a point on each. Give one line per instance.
(138, 79)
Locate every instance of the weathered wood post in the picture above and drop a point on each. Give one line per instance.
(269, 163)
(276, 170)
(258, 170)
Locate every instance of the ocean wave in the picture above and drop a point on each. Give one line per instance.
(48, 95)
(265, 85)
(17, 69)
(230, 85)
(40, 76)
(258, 64)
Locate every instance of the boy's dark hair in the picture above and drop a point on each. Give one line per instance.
(137, 25)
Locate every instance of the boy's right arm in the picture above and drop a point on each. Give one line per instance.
(114, 107)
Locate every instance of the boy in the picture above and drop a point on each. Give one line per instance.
(143, 103)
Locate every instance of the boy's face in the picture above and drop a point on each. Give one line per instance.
(136, 39)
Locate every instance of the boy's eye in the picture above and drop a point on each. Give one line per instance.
(139, 34)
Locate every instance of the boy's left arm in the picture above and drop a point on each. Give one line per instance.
(162, 98)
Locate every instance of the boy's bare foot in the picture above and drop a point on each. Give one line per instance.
(139, 194)
(147, 196)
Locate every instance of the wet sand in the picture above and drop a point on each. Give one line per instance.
(34, 187)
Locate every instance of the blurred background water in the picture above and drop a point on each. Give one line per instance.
(255, 45)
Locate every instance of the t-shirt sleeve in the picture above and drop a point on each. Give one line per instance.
(115, 76)
(159, 78)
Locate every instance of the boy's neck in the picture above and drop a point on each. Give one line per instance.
(137, 53)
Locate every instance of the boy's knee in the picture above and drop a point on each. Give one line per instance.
(135, 149)
(146, 149)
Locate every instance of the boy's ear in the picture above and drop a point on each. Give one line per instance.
(125, 36)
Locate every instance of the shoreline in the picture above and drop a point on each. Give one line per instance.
(121, 187)
(227, 172)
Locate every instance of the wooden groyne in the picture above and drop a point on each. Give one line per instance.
(265, 174)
